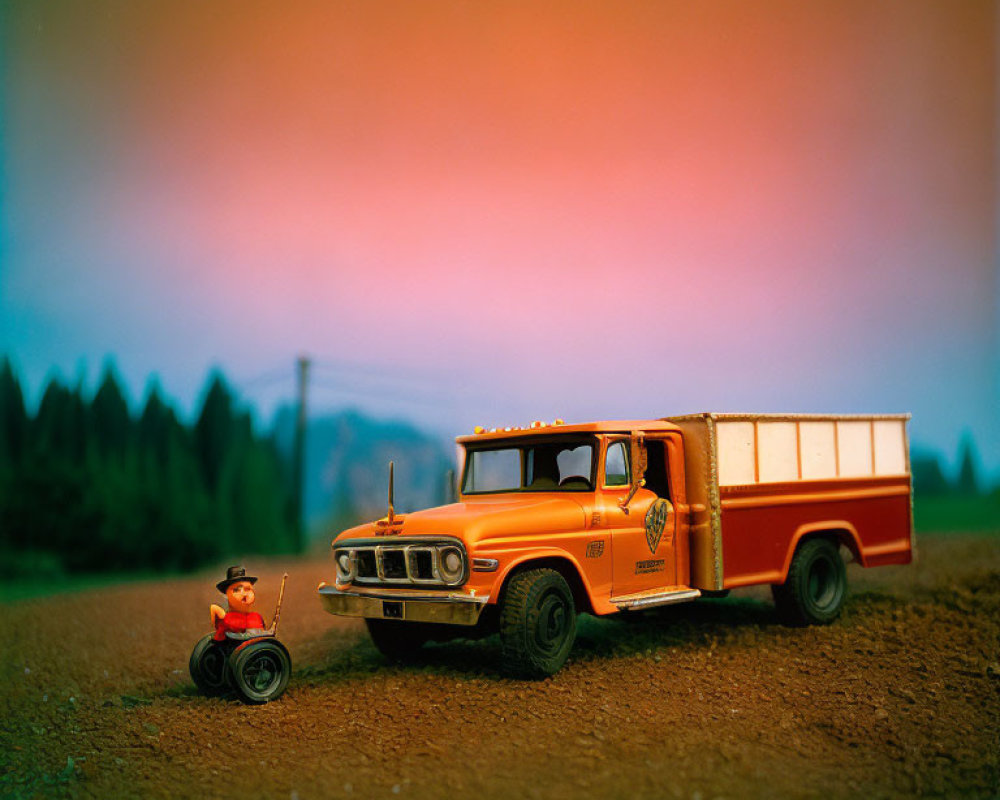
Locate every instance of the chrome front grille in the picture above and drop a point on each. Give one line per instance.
(393, 562)
(366, 563)
(415, 564)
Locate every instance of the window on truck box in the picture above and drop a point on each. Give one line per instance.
(554, 465)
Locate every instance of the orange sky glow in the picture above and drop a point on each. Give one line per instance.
(573, 209)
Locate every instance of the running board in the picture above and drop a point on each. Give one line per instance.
(655, 597)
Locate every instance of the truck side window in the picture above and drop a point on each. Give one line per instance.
(616, 465)
(656, 468)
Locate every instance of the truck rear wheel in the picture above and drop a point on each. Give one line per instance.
(537, 623)
(814, 591)
(396, 640)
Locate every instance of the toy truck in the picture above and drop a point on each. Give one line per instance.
(553, 520)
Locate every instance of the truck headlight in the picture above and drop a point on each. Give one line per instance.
(451, 564)
(345, 566)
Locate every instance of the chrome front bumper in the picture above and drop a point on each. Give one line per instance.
(449, 608)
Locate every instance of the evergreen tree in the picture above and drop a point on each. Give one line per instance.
(157, 425)
(111, 423)
(188, 509)
(58, 432)
(928, 477)
(260, 522)
(13, 418)
(968, 482)
(214, 431)
(93, 490)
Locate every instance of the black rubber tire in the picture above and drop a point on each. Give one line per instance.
(260, 671)
(537, 623)
(208, 666)
(398, 641)
(814, 591)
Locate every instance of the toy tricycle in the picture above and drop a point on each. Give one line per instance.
(253, 664)
(241, 655)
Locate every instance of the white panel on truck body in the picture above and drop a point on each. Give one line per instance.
(777, 452)
(817, 441)
(729, 450)
(890, 447)
(735, 453)
(854, 448)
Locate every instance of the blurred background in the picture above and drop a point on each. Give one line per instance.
(249, 252)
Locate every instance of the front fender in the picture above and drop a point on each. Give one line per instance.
(517, 560)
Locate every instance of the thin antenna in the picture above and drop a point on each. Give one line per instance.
(392, 512)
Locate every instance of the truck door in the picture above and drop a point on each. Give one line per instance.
(643, 539)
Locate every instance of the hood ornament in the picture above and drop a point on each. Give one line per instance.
(385, 526)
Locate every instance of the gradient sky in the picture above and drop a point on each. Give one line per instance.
(491, 213)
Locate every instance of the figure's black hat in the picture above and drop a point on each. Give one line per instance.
(234, 575)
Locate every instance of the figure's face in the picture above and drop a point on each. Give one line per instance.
(240, 596)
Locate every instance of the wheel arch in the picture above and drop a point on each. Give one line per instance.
(562, 564)
(839, 531)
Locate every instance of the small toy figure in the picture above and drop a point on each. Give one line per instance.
(238, 589)
(241, 655)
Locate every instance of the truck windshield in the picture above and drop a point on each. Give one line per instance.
(563, 465)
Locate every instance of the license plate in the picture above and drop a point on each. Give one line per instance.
(392, 609)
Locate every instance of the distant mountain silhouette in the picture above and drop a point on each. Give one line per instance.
(347, 466)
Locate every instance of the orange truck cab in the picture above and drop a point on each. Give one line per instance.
(553, 520)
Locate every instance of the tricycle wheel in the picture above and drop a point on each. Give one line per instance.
(537, 623)
(398, 641)
(260, 670)
(208, 666)
(814, 591)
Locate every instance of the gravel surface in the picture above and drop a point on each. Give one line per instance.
(900, 697)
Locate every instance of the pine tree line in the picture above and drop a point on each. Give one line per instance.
(86, 486)
(929, 477)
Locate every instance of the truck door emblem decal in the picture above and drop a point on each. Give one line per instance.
(595, 549)
(656, 521)
(652, 565)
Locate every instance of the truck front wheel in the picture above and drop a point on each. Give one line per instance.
(537, 623)
(814, 590)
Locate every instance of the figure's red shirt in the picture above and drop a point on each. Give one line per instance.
(237, 622)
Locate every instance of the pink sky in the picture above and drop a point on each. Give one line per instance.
(536, 210)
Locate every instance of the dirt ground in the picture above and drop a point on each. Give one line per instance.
(900, 697)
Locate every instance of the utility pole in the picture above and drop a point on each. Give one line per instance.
(299, 454)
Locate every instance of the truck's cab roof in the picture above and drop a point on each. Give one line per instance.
(560, 428)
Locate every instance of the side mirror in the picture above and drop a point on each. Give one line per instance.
(637, 460)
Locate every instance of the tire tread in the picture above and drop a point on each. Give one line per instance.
(789, 597)
(514, 631)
